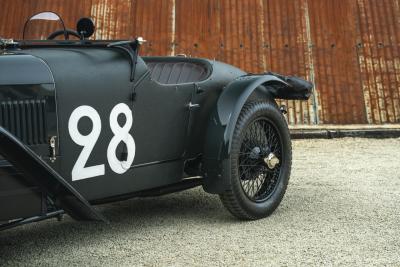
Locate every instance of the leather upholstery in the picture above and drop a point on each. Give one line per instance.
(167, 72)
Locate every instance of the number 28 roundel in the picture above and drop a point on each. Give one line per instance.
(121, 134)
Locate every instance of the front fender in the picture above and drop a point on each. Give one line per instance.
(216, 164)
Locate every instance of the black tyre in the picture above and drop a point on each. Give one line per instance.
(261, 159)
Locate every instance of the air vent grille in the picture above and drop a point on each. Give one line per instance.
(26, 119)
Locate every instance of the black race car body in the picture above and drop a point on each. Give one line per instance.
(89, 122)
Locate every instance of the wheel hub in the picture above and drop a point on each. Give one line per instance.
(271, 160)
(260, 159)
(255, 153)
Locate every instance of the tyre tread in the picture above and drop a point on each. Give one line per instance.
(229, 198)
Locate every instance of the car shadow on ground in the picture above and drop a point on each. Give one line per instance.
(141, 214)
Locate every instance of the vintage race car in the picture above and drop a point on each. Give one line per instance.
(87, 122)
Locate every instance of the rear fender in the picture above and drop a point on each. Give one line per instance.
(216, 164)
(50, 182)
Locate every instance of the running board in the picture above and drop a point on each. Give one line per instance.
(55, 214)
(38, 171)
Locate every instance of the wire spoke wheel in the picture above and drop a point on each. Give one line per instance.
(260, 161)
(260, 140)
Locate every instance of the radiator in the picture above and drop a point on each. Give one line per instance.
(26, 119)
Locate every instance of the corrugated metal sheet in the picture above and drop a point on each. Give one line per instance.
(379, 56)
(349, 48)
(334, 35)
(286, 48)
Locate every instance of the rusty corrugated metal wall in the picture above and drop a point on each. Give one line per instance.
(349, 48)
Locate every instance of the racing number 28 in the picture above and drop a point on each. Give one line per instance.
(121, 134)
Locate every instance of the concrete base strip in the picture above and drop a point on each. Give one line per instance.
(328, 132)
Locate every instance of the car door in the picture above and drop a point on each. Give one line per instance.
(161, 115)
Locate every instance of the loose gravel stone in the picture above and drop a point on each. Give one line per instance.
(342, 207)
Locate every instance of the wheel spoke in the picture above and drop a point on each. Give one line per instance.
(259, 138)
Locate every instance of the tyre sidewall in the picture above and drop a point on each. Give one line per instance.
(269, 110)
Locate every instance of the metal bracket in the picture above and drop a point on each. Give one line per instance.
(52, 146)
(55, 214)
(7, 43)
(131, 47)
(283, 109)
(192, 106)
(140, 40)
(198, 89)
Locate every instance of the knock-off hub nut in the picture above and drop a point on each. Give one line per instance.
(271, 161)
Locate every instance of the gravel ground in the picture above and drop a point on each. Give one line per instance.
(342, 207)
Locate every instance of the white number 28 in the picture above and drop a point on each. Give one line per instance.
(121, 134)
